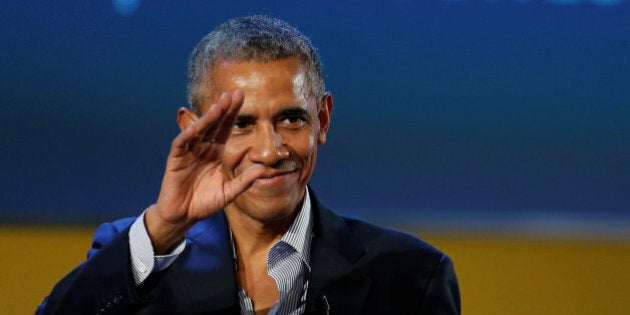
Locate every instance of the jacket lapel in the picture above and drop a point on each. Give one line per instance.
(202, 279)
(335, 285)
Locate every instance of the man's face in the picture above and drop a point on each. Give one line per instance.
(279, 126)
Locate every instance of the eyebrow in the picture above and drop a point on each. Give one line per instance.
(296, 111)
(248, 118)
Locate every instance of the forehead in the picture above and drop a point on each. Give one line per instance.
(261, 81)
(225, 74)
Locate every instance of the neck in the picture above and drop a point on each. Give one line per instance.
(252, 236)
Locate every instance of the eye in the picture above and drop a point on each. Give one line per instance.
(293, 122)
(293, 118)
(242, 124)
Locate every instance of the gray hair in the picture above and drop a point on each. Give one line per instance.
(250, 38)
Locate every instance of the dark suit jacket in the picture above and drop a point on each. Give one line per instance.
(357, 268)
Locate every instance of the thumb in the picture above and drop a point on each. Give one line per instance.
(239, 184)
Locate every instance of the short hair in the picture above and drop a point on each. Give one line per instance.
(251, 38)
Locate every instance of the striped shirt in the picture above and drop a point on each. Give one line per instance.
(288, 263)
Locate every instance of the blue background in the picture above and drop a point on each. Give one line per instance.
(448, 114)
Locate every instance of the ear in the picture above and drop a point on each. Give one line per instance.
(324, 115)
(185, 118)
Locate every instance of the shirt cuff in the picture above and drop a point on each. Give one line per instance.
(143, 258)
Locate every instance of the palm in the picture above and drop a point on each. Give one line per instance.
(194, 186)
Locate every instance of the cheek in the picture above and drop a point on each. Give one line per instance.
(232, 156)
(312, 141)
(307, 151)
(305, 144)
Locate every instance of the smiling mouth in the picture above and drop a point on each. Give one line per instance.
(273, 179)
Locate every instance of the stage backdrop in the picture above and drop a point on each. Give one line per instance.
(484, 115)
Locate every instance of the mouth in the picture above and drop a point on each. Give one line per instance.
(274, 178)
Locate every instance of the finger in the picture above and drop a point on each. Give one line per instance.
(181, 142)
(187, 138)
(209, 124)
(243, 181)
(228, 122)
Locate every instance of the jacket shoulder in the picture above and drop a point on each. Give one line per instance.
(415, 270)
(107, 232)
(382, 239)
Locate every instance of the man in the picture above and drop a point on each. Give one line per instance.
(235, 228)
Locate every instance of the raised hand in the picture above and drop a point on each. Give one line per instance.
(194, 187)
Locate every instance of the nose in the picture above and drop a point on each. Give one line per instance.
(268, 147)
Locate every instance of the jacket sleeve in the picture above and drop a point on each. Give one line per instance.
(442, 294)
(103, 284)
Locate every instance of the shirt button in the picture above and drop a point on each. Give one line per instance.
(142, 267)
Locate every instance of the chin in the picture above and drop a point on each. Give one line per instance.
(265, 209)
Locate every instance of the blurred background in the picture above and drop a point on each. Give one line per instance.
(498, 130)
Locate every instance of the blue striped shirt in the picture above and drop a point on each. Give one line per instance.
(288, 263)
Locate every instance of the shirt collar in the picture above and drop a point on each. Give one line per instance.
(299, 233)
(298, 236)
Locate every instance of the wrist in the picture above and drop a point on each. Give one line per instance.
(164, 234)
